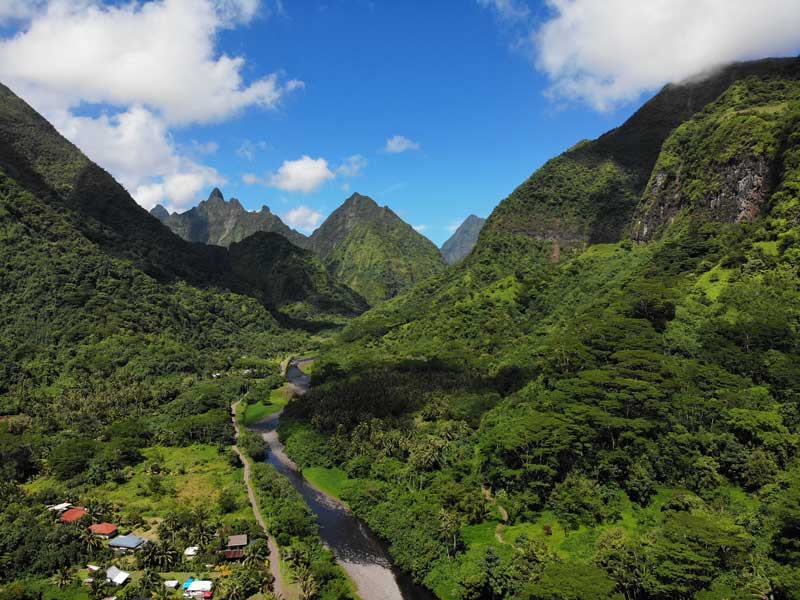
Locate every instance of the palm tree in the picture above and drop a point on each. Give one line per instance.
(63, 577)
(303, 577)
(256, 554)
(90, 542)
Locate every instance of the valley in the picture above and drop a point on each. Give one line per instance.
(592, 395)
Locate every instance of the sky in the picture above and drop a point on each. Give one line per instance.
(437, 109)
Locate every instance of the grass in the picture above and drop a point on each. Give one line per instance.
(190, 476)
(330, 481)
(253, 413)
(714, 281)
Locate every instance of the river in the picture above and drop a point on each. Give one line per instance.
(360, 552)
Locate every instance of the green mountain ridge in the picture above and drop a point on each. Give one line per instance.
(601, 400)
(374, 251)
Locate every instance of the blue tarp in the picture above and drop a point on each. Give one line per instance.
(188, 583)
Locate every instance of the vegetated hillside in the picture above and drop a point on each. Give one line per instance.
(617, 422)
(461, 243)
(41, 161)
(116, 386)
(292, 278)
(222, 223)
(374, 251)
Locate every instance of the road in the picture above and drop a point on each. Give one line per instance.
(274, 552)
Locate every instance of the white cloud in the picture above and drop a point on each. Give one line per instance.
(150, 65)
(610, 52)
(420, 228)
(249, 149)
(352, 166)
(160, 54)
(302, 218)
(250, 178)
(205, 147)
(508, 9)
(304, 175)
(136, 147)
(399, 143)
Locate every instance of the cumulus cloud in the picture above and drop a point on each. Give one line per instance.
(399, 143)
(609, 52)
(303, 218)
(352, 166)
(149, 66)
(161, 54)
(304, 175)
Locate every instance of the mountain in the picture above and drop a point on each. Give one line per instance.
(40, 161)
(374, 251)
(220, 223)
(461, 243)
(608, 384)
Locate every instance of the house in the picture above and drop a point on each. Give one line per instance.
(126, 543)
(199, 588)
(116, 576)
(103, 530)
(73, 514)
(171, 584)
(59, 508)
(191, 552)
(234, 549)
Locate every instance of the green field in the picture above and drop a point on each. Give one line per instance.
(330, 481)
(253, 413)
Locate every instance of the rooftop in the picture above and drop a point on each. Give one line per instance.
(127, 542)
(73, 514)
(103, 528)
(237, 540)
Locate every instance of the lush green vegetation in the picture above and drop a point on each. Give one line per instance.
(622, 423)
(373, 251)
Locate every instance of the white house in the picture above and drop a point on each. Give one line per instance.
(198, 588)
(116, 576)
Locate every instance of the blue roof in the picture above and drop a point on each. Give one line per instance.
(129, 542)
(188, 583)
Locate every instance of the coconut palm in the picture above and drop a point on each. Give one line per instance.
(63, 577)
(303, 577)
(90, 542)
(256, 554)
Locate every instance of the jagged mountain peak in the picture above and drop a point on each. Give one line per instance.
(159, 212)
(463, 240)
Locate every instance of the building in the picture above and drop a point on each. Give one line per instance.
(103, 530)
(116, 576)
(73, 514)
(199, 588)
(190, 552)
(234, 549)
(126, 543)
(59, 508)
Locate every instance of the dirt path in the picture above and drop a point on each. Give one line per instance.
(274, 551)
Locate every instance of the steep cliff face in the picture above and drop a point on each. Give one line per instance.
(591, 193)
(722, 164)
(221, 223)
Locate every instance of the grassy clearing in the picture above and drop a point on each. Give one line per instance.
(330, 481)
(253, 413)
(714, 281)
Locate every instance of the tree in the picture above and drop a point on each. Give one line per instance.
(63, 577)
(303, 577)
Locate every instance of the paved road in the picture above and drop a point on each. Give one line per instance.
(274, 551)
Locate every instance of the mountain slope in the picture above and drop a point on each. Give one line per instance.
(461, 243)
(617, 420)
(372, 250)
(220, 223)
(42, 162)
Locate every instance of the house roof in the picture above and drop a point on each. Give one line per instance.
(73, 514)
(127, 542)
(191, 551)
(59, 507)
(200, 585)
(233, 554)
(103, 528)
(237, 540)
(117, 576)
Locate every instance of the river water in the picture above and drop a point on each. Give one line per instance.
(357, 549)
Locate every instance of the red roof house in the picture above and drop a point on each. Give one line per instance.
(73, 514)
(103, 529)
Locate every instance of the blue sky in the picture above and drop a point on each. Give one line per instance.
(293, 104)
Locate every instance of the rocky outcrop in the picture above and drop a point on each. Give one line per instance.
(742, 187)
(463, 240)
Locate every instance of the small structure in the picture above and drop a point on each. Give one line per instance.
(171, 584)
(191, 552)
(73, 514)
(116, 576)
(126, 543)
(234, 549)
(199, 588)
(103, 530)
(59, 508)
